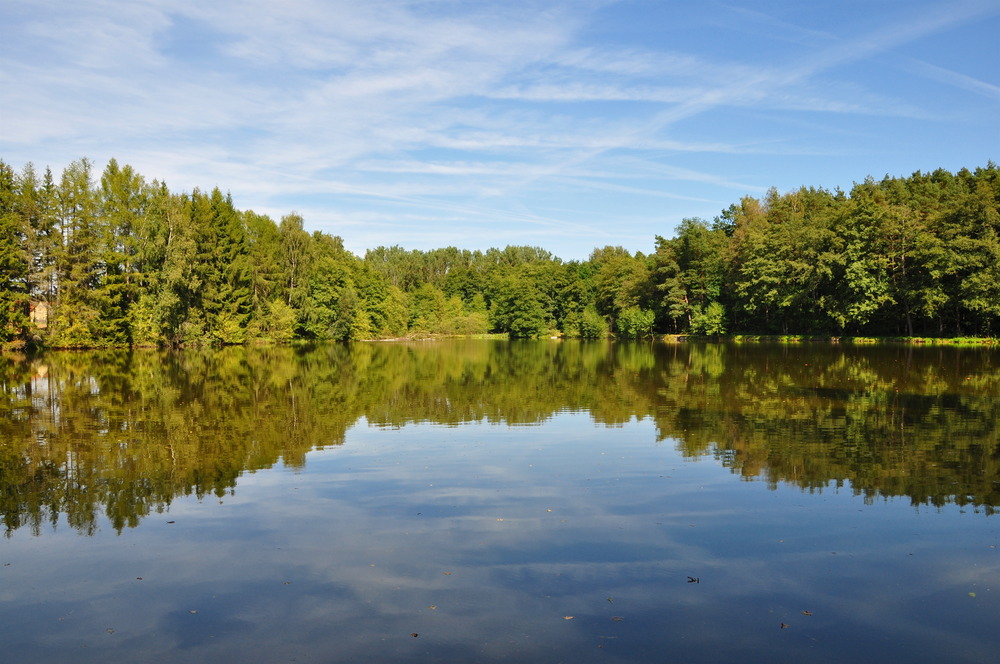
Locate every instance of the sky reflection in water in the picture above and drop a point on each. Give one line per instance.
(564, 541)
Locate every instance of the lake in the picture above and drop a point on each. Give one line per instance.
(493, 501)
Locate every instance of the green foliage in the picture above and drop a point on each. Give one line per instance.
(592, 325)
(331, 301)
(517, 310)
(229, 328)
(475, 323)
(145, 322)
(711, 321)
(428, 309)
(277, 324)
(777, 249)
(395, 311)
(14, 263)
(122, 261)
(688, 273)
(81, 295)
(635, 323)
(620, 280)
(361, 325)
(295, 244)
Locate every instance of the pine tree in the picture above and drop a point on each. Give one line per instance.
(79, 270)
(13, 263)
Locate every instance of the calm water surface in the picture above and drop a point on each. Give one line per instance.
(476, 501)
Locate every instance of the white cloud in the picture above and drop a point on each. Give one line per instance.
(955, 79)
(418, 102)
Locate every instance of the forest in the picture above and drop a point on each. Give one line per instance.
(92, 260)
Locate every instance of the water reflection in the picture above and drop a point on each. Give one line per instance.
(124, 433)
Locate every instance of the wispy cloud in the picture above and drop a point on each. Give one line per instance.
(955, 79)
(758, 88)
(467, 110)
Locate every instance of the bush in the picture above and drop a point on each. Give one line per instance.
(592, 325)
(634, 323)
(711, 321)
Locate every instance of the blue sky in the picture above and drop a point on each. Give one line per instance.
(568, 125)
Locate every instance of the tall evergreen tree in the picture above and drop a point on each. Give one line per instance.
(14, 262)
(81, 272)
(124, 199)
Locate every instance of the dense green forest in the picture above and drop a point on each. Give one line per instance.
(90, 260)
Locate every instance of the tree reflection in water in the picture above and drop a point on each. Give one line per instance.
(125, 432)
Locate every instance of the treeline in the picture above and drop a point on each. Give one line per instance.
(114, 260)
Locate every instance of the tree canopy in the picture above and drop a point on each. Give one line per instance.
(111, 259)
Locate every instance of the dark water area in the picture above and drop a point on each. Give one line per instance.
(483, 501)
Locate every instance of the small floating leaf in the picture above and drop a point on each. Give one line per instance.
(972, 594)
(807, 613)
(567, 617)
(617, 618)
(414, 635)
(784, 625)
